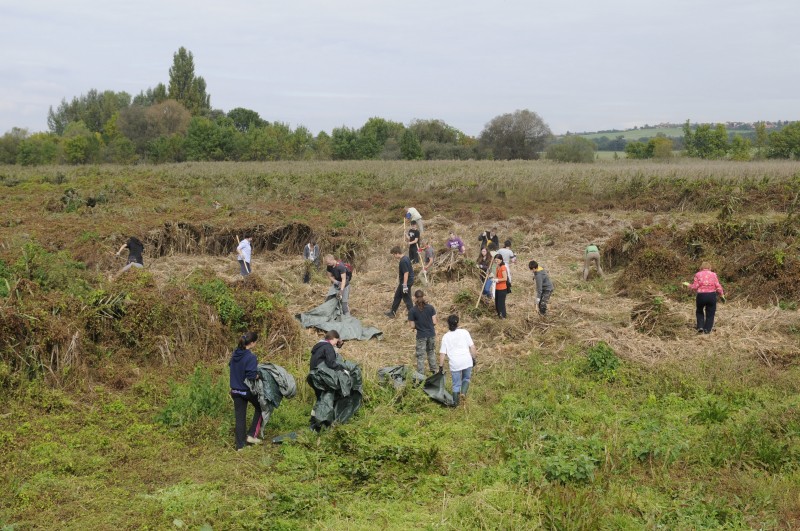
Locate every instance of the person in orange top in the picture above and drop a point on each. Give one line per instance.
(500, 286)
(707, 286)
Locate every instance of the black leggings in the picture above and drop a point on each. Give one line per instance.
(500, 302)
(240, 411)
(706, 308)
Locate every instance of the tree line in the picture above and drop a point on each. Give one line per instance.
(175, 122)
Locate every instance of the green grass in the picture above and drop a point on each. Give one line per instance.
(541, 444)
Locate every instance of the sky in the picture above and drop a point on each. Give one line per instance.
(582, 65)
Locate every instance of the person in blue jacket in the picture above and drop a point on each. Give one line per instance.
(244, 366)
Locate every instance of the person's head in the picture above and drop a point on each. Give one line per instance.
(452, 322)
(507, 243)
(247, 340)
(419, 299)
(332, 337)
(423, 244)
(396, 251)
(413, 224)
(452, 235)
(312, 242)
(533, 265)
(706, 265)
(498, 259)
(494, 230)
(484, 252)
(330, 260)
(492, 246)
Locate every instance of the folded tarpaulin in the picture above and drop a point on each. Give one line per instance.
(339, 393)
(273, 385)
(398, 374)
(328, 316)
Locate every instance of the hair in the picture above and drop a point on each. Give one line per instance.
(452, 322)
(413, 222)
(329, 257)
(533, 264)
(396, 250)
(246, 339)
(507, 243)
(419, 297)
(136, 240)
(706, 265)
(332, 334)
(499, 256)
(483, 249)
(492, 246)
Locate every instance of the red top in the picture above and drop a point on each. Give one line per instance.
(706, 281)
(502, 272)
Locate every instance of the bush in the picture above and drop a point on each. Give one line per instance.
(601, 360)
(572, 149)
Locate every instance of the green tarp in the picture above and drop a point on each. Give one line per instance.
(339, 394)
(433, 386)
(328, 316)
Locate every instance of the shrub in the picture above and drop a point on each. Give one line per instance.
(572, 149)
(602, 361)
(200, 397)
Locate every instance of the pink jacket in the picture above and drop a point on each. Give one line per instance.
(706, 281)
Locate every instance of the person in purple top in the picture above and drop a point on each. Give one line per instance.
(456, 244)
(244, 366)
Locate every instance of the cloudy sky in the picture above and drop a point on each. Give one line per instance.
(583, 65)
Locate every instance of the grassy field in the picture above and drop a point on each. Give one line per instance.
(610, 413)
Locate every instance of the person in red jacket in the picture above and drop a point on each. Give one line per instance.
(707, 286)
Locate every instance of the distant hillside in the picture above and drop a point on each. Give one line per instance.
(636, 134)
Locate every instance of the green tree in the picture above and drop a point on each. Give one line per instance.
(436, 131)
(350, 144)
(572, 149)
(211, 140)
(142, 125)
(761, 140)
(323, 146)
(81, 145)
(639, 150)
(244, 119)
(151, 96)
(39, 148)
(661, 147)
(94, 109)
(186, 88)
(706, 141)
(410, 147)
(740, 148)
(520, 135)
(9, 145)
(785, 144)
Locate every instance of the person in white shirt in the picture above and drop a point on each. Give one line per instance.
(412, 214)
(461, 354)
(243, 256)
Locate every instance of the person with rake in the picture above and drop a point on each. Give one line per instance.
(413, 236)
(243, 253)
(405, 281)
(340, 276)
(413, 215)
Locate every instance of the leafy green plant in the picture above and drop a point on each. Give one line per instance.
(712, 410)
(200, 397)
(216, 293)
(602, 361)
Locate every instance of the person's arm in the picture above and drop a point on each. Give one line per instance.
(538, 279)
(239, 250)
(718, 286)
(442, 353)
(405, 278)
(435, 320)
(412, 322)
(343, 282)
(124, 245)
(330, 359)
(695, 282)
(251, 368)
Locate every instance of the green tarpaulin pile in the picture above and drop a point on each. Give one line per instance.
(328, 316)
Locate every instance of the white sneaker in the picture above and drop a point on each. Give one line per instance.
(253, 440)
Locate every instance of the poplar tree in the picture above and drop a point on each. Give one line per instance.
(185, 87)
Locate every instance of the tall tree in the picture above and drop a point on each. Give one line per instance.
(520, 135)
(186, 88)
(94, 109)
(410, 147)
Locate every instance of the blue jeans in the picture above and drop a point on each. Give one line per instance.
(459, 377)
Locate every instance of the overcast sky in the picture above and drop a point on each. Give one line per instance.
(583, 65)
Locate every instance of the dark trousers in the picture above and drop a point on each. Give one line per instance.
(240, 411)
(543, 301)
(706, 308)
(399, 295)
(500, 302)
(413, 253)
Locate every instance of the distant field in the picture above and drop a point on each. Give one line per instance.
(636, 134)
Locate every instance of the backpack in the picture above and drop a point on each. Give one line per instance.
(346, 266)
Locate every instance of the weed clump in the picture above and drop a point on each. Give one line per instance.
(601, 361)
(655, 317)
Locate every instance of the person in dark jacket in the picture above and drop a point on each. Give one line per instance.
(489, 236)
(325, 350)
(544, 287)
(422, 318)
(405, 281)
(244, 366)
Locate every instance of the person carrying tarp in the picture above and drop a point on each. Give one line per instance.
(336, 383)
(243, 367)
(272, 384)
(413, 216)
(340, 276)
